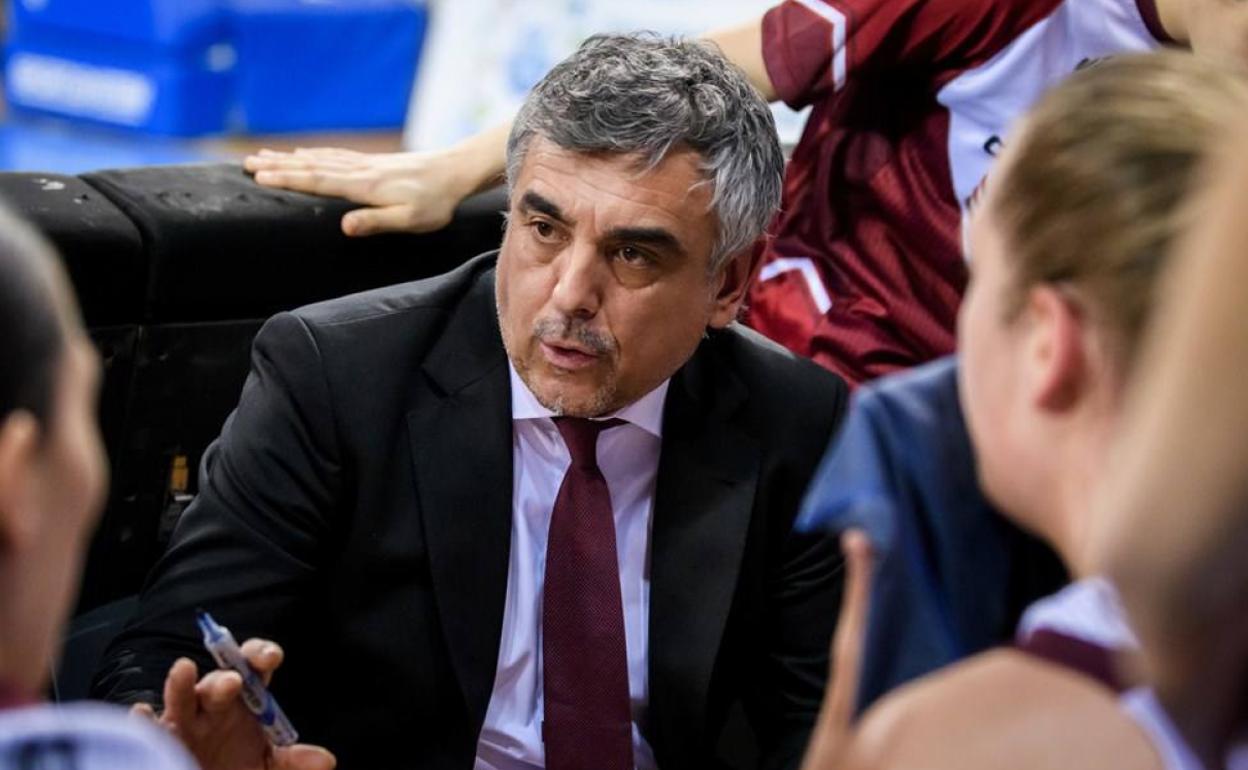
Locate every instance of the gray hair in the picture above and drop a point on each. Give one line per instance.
(646, 95)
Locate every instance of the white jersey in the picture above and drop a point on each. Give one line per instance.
(1090, 611)
(911, 103)
(85, 736)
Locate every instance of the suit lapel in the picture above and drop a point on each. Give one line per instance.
(704, 498)
(462, 449)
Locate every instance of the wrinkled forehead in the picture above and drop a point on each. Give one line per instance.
(676, 182)
(631, 163)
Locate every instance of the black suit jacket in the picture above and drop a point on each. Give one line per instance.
(357, 509)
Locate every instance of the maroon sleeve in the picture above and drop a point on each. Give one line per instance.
(815, 47)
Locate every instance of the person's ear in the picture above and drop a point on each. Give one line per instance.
(733, 284)
(19, 454)
(1056, 360)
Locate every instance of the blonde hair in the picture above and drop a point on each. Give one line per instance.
(1095, 195)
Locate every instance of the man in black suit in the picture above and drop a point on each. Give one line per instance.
(536, 512)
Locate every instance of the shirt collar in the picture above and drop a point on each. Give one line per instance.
(646, 412)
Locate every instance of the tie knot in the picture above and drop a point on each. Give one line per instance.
(581, 436)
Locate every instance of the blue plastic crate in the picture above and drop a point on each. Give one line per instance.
(176, 23)
(325, 64)
(144, 87)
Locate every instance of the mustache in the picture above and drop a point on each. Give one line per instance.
(556, 330)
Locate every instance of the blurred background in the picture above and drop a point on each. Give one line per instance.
(91, 84)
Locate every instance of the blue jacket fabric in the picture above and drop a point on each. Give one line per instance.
(952, 575)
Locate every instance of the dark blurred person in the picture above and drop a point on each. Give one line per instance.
(1175, 513)
(53, 481)
(53, 478)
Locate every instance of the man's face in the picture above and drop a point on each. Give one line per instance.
(604, 283)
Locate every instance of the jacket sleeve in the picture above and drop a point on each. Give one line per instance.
(803, 587)
(248, 546)
(788, 688)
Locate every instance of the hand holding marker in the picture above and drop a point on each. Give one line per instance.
(220, 643)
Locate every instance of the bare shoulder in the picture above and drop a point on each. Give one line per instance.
(1002, 709)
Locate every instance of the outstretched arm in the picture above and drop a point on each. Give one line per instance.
(743, 46)
(401, 191)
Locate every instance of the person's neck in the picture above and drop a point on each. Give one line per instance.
(1069, 518)
(1173, 17)
(24, 631)
(14, 696)
(16, 685)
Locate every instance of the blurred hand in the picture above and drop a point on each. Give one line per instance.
(412, 192)
(830, 742)
(209, 717)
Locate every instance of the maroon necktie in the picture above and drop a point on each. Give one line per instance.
(588, 719)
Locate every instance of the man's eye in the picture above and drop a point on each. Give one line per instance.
(543, 230)
(634, 256)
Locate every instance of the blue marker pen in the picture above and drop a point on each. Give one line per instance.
(220, 642)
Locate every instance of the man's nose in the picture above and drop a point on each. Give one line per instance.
(580, 281)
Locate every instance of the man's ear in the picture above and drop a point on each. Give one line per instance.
(1056, 360)
(19, 453)
(734, 283)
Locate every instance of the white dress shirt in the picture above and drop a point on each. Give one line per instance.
(628, 455)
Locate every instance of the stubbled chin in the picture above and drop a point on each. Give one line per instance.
(581, 393)
(563, 395)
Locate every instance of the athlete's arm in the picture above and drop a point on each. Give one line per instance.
(402, 191)
(743, 46)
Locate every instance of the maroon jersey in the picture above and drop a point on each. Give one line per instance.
(910, 102)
